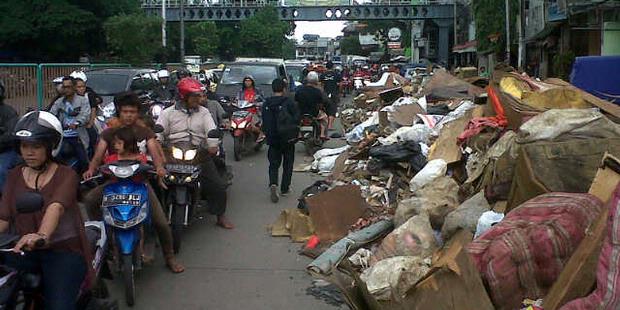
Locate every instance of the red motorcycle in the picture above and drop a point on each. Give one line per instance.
(245, 127)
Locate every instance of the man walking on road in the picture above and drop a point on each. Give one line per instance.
(331, 84)
(281, 126)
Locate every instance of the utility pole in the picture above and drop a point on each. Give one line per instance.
(455, 35)
(412, 42)
(521, 63)
(163, 23)
(508, 32)
(182, 19)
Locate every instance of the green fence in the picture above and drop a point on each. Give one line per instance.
(30, 85)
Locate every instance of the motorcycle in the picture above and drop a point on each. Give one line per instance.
(345, 86)
(126, 212)
(244, 128)
(183, 187)
(26, 287)
(310, 131)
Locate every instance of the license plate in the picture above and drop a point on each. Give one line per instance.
(122, 199)
(306, 128)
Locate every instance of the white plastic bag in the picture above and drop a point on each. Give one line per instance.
(357, 133)
(433, 169)
(487, 220)
(418, 133)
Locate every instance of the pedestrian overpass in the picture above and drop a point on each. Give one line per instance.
(440, 12)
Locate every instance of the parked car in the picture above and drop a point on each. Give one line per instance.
(109, 82)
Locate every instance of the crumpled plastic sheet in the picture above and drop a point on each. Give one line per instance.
(357, 133)
(456, 114)
(487, 220)
(326, 262)
(433, 169)
(419, 133)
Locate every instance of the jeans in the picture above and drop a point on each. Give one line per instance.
(8, 160)
(281, 154)
(93, 200)
(92, 137)
(62, 275)
(73, 150)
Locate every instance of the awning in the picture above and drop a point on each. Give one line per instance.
(549, 28)
(467, 47)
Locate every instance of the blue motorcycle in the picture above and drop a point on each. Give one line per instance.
(126, 211)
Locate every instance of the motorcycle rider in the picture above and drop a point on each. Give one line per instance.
(8, 118)
(251, 94)
(127, 109)
(188, 121)
(164, 91)
(73, 111)
(62, 261)
(331, 80)
(94, 100)
(311, 100)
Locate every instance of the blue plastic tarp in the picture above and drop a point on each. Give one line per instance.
(598, 75)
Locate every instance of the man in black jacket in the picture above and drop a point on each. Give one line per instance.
(8, 156)
(281, 142)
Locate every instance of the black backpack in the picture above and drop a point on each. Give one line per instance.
(287, 125)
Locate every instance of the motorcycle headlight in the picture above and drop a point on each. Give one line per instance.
(177, 153)
(124, 171)
(233, 125)
(188, 180)
(190, 154)
(101, 118)
(243, 124)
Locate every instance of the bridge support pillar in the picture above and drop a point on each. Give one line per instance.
(443, 44)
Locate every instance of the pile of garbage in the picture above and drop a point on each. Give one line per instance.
(452, 196)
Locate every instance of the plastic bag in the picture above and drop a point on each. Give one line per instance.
(486, 220)
(357, 133)
(465, 216)
(393, 277)
(433, 169)
(417, 133)
(407, 151)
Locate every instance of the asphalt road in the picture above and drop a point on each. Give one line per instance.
(244, 268)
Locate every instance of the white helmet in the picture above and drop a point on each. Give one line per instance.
(313, 77)
(40, 126)
(57, 80)
(163, 73)
(78, 75)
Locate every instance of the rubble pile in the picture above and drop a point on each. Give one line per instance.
(452, 196)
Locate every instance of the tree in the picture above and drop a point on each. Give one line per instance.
(45, 30)
(135, 38)
(205, 38)
(289, 49)
(490, 18)
(350, 45)
(263, 35)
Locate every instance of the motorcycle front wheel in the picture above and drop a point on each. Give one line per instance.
(128, 279)
(237, 147)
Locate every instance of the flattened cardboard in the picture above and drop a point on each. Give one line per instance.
(579, 275)
(445, 147)
(453, 282)
(294, 224)
(334, 211)
(405, 114)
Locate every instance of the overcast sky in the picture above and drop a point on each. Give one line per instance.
(325, 29)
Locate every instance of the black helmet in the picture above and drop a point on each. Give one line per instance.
(183, 73)
(40, 126)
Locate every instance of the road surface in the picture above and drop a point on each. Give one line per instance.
(244, 268)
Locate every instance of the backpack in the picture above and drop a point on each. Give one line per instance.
(286, 124)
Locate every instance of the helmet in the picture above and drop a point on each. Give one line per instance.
(313, 77)
(163, 73)
(188, 86)
(329, 65)
(40, 126)
(183, 73)
(57, 80)
(78, 75)
(251, 78)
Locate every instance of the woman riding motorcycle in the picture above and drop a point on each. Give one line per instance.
(251, 94)
(62, 260)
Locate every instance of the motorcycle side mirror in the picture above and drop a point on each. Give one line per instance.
(29, 202)
(158, 128)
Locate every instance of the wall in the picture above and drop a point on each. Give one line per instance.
(611, 39)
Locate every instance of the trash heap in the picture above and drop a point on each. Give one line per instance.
(452, 196)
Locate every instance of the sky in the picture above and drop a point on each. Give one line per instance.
(324, 29)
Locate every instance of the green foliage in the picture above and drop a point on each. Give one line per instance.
(263, 35)
(45, 30)
(288, 49)
(350, 45)
(135, 38)
(563, 64)
(490, 18)
(205, 38)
